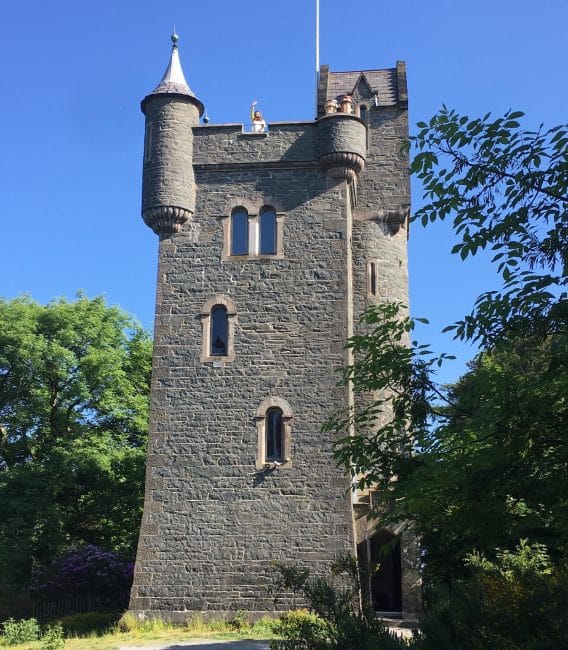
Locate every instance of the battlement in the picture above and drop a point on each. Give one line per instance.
(287, 142)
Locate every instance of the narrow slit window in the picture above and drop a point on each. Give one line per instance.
(148, 141)
(373, 278)
(267, 231)
(239, 232)
(274, 434)
(219, 331)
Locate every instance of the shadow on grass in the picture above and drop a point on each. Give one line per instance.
(205, 644)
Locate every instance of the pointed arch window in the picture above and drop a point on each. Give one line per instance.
(239, 232)
(267, 222)
(274, 428)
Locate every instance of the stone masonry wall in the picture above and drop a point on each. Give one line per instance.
(285, 142)
(168, 154)
(383, 189)
(384, 185)
(213, 525)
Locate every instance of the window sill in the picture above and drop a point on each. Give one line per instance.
(217, 362)
(272, 465)
(260, 257)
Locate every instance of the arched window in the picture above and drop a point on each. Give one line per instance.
(267, 231)
(250, 232)
(219, 331)
(274, 434)
(239, 232)
(274, 426)
(218, 318)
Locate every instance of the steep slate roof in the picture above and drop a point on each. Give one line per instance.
(173, 82)
(388, 85)
(382, 82)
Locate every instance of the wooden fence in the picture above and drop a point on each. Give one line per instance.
(48, 610)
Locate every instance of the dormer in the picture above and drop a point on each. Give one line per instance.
(376, 88)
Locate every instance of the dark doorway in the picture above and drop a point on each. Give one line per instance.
(384, 584)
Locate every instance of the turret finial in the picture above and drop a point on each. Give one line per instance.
(173, 82)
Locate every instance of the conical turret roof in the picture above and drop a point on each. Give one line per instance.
(173, 82)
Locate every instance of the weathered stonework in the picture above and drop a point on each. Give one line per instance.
(215, 518)
(341, 145)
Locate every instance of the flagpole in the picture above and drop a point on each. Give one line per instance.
(317, 51)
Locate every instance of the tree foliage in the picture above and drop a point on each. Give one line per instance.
(504, 189)
(481, 465)
(74, 386)
(89, 570)
(338, 618)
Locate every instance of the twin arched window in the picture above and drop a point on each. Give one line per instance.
(254, 234)
(267, 227)
(239, 232)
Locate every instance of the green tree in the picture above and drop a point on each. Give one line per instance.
(74, 387)
(505, 189)
(483, 464)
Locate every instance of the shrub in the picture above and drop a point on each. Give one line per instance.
(53, 639)
(21, 631)
(515, 602)
(239, 620)
(128, 623)
(88, 623)
(338, 617)
(301, 629)
(86, 570)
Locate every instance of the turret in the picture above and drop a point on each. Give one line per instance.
(342, 141)
(168, 183)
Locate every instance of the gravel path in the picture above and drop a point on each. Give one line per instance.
(203, 644)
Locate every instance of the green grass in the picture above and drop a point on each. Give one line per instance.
(130, 631)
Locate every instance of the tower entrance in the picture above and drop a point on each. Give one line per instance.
(382, 557)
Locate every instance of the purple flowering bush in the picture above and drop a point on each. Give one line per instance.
(86, 571)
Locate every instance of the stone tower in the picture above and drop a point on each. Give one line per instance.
(272, 243)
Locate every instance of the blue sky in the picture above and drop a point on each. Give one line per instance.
(74, 73)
